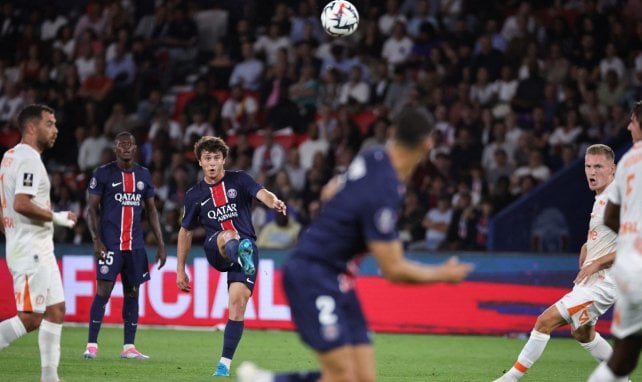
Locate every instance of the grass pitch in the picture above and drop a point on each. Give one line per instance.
(191, 355)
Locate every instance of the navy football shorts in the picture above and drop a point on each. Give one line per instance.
(222, 264)
(132, 266)
(327, 315)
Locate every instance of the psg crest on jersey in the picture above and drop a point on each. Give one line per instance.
(231, 193)
(140, 185)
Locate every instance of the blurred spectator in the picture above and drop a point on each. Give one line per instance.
(355, 90)
(163, 123)
(220, 66)
(239, 112)
(436, 223)
(247, 73)
(202, 101)
(180, 43)
(90, 150)
(118, 121)
(270, 43)
(197, 129)
(410, 220)
(281, 233)
(398, 47)
(461, 234)
(305, 18)
(610, 91)
(11, 101)
(93, 19)
(294, 170)
(377, 134)
(535, 168)
(269, 157)
(97, 87)
(421, 16)
(387, 21)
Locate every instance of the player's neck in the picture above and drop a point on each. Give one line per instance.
(214, 180)
(125, 165)
(403, 160)
(29, 141)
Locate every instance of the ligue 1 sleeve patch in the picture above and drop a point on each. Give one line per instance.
(27, 179)
(385, 220)
(93, 182)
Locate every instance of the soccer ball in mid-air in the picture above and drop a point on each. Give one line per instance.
(339, 18)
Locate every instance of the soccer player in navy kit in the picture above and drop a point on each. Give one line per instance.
(359, 215)
(117, 192)
(222, 204)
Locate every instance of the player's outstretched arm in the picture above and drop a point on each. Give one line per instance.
(154, 222)
(270, 200)
(396, 268)
(182, 250)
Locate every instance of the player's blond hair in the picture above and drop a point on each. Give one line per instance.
(601, 149)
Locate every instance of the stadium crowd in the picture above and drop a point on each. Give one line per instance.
(516, 89)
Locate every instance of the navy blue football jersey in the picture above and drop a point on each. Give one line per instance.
(226, 205)
(365, 208)
(122, 199)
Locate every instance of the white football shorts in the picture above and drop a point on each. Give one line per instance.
(37, 284)
(586, 302)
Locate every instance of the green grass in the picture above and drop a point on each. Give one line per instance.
(189, 355)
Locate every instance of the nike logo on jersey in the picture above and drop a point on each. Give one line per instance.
(114, 184)
(249, 281)
(204, 202)
(145, 274)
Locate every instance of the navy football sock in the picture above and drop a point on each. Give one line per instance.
(130, 318)
(96, 315)
(308, 376)
(232, 337)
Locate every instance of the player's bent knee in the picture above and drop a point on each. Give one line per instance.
(30, 320)
(226, 236)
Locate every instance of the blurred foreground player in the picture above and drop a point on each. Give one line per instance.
(359, 216)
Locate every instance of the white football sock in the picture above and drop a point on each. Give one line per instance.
(226, 361)
(49, 343)
(529, 355)
(604, 374)
(11, 330)
(599, 348)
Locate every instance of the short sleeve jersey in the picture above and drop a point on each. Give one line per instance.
(364, 209)
(226, 205)
(627, 192)
(122, 198)
(22, 172)
(601, 240)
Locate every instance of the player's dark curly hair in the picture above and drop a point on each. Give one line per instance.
(29, 112)
(212, 145)
(411, 127)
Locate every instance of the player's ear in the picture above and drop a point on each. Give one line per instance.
(428, 144)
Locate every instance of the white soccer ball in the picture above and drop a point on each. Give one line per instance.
(340, 18)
